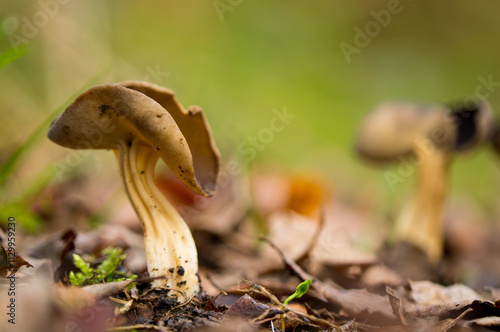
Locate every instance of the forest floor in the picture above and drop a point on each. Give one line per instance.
(245, 275)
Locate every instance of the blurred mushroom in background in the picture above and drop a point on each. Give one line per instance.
(425, 136)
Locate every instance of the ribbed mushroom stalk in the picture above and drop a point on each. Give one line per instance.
(169, 245)
(431, 134)
(147, 123)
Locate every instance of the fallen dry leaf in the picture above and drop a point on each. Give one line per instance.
(246, 306)
(12, 261)
(428, 293)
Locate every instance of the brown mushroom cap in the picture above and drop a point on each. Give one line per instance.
(394, 129)
(194, 127)
(133, 115)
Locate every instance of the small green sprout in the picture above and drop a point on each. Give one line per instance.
(106, 271)
(302, 288)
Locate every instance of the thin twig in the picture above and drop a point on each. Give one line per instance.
(166, 288)
(167, 315)
(303, 275)
(183, 303)
(221, 291)
(315, 319)
(119, 301)
(314, 240)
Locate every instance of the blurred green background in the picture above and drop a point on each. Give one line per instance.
(240, 60)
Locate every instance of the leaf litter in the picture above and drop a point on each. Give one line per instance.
(246, 281)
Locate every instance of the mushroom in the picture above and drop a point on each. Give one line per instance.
(143, 122)
(423, 136)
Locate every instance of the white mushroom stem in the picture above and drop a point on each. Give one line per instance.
(421, 222)
(169, 245)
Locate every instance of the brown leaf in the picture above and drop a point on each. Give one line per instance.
(396, 306)
(6, 263)
(292, 233)
(246, 306)
(411, 313)
(19, 262)
(377, 276)
(210, 306)
(426, 292)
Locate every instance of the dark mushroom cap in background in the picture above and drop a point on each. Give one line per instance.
(107, 115)
(474, 122)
